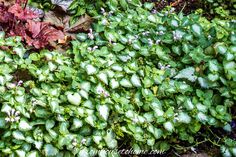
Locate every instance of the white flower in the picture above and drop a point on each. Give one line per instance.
(136, 37)
(150, 42)
(154, 11)
(19, 83)
(158, 41)
(135, 120)
(172, 10)
(83, 141)
(110, 13)
(161, 33)
(12, 116)
(103, 11)
(74, 142)
(89, 49)
(90, 34)
(102, 92)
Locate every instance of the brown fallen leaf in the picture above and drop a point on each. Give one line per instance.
(83, 24)
(54, 19)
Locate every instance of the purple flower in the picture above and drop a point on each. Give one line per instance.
(233, 124)
(19, 83)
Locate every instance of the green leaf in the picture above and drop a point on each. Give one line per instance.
(103, 77)
(74, 99)
(18, 135)
(213, 66)
(114, 83)
(54, 105)
(197, 29)
(169, 126)
(152, 18)
(83, 152)
(125, 83)
(32, 154)
(103, 111)
(187, 73)
(90, 69)
(155, 131)
(111, 36)
(77, 123)
(221, 109)
(24, 125)
(123, 4)
(117, 47)
(135, 80)
(50, 150)
(63, 128)
(2, 123)
(49, 124)
(184, 118)
(21, 153)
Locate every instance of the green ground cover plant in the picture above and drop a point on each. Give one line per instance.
(221, 8)
(150, 81)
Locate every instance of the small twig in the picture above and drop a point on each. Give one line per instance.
(183, 7)
(213, 133)
(176, 154)
(181, 148)
(213, 142)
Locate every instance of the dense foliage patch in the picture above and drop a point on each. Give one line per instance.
(146, 80)
(221, 8)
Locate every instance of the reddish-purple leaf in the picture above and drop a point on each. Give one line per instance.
(42, 33)
(22, 13)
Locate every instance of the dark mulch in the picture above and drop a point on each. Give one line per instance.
(187, 6)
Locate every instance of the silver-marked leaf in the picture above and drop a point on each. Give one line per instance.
(85, 86)
(84, 152)
(50, 124)
(77, 123)
(187, 73)
(197, 29)
(74, 99)
(135, 80)
(90, 69)
(103, 111)
(50, 150)
(169, 126)
(32, 154)
(91, 120)
(125, 83)
(118, 47)
(184, 118)
(20, 153)
(103, 77)
(114, 84)
(18, 135)
(84, 94)
(24, 125)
